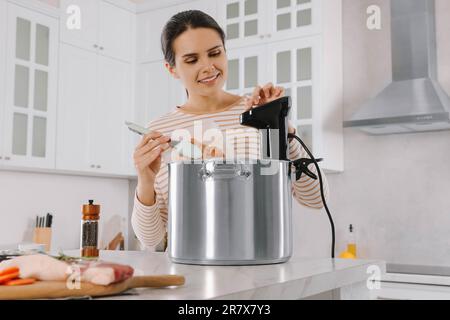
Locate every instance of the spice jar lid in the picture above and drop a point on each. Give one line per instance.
(91, 210)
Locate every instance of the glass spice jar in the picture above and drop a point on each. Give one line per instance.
(89, 230)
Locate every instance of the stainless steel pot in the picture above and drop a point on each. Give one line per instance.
(230, 214)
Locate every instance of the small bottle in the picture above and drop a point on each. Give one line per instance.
(89, 230)
(351, 244)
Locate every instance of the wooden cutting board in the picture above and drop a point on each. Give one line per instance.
(59, 289)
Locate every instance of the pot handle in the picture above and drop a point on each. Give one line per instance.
(223, 171)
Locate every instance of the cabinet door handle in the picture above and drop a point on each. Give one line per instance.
(95, 46)
(268, 35)
(98, 166)
(7, 158)
(1, 157)
(261, 36)
(101, 48)
(92, 165)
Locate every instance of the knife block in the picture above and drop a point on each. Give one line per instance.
(43, 236)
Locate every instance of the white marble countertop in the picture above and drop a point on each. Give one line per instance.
(298, 278)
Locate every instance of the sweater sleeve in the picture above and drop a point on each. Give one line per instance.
(147, 222)
(307, 190)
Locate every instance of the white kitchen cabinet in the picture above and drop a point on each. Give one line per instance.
(295, 65)
(244, 21)
(29, 115)
(94, 101)
(308, 67)
(116, 32)
(292, 64)
(411, 291)
(102, 27)
(247, 68)
(252, 22)
(150, 25)
(77, 97)
(153, 97)
(79, 23)
(157, 93)
(108, 132)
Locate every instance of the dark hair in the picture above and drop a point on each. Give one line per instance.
(181, 22)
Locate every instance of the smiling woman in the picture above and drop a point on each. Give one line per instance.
(194, 50)
(193, 45)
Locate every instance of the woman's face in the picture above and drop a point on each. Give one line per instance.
(200, 61)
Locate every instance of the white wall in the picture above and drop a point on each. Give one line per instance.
(54, 3)
(395, 188)
(25, 195)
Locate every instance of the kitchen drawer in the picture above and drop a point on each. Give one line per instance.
(412, 291)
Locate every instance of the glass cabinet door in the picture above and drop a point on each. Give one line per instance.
(30, 104)
(247, 68)
(294, 17)
(243, 21)
(294, 66)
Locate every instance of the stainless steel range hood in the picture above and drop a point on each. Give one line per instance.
(414, 101)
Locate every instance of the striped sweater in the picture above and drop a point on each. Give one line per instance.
(149, 222)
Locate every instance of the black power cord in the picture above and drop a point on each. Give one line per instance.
(303, 164)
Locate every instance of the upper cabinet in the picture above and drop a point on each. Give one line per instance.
(77, 97)
(298, 47)
(95, 100)
(112, 69)
(247, 68)
(157, 92)
(95, 88)
(98, 26)
(79, 23)
(250, 22)
(108, 138)
(116, 32)
(150, 25)
(29, 114)
(295, 65)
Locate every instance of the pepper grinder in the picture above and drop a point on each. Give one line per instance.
(89, 230)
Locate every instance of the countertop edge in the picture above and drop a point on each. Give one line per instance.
(309, 286)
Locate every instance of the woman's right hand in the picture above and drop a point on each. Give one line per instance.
(147, 156)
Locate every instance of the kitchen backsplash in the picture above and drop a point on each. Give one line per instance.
(24, 195)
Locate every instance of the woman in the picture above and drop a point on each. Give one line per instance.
(194, 50)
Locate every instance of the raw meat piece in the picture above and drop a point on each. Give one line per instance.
(43, 267)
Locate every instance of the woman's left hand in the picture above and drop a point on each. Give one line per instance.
(263, 95)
